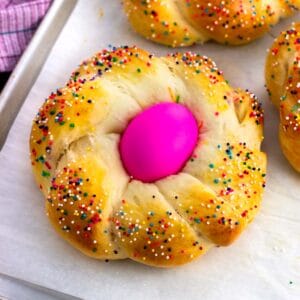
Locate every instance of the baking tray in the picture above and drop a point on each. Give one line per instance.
(30, 64)
(264, 263)
(14, 289)
(11, 99)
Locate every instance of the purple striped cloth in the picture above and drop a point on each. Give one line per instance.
(18, 21)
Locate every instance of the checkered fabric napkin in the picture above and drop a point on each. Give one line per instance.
(18, 21)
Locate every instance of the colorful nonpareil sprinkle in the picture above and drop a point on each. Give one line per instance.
(110, 216)
(186, 22)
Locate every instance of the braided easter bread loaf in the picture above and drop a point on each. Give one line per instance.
(107, 214)
(283, 83)
(180, 23)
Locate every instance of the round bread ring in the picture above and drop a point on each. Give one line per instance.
(179, 23)
(282, 79)
(98, 208)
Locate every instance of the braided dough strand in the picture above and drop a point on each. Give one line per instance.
(94, 204)
(283, 82)
(183, 23)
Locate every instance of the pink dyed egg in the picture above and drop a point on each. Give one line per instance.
(158, 141)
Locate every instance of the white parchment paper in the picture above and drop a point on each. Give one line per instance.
(263, 264)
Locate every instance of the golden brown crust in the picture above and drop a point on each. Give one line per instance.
(78, 206)
(151, 230)
(183, 23)
(282, 78)
(75, 109)
(93, 203)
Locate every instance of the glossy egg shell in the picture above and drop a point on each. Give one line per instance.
(158, 141)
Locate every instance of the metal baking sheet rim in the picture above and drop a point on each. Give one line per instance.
(20, 83)
(31, 63)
